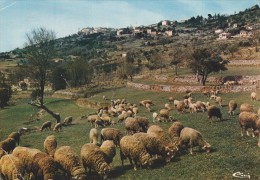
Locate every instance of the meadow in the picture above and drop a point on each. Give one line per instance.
(231, 152)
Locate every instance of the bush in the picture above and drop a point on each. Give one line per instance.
(5, 95)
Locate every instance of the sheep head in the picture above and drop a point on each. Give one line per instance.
(207, 147)
(145, 159)
(104, 169)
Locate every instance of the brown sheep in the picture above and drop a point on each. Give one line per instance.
(214, 111)
(11, 168)
(248, 120)
(232, 107)
(154, 146)
(191, 137)
(132, 125)
(7, 146)
(94, 158)
(112, 134)
(16, 136)
(50, 145)
(133, 150)
(69, 161)
(46, 125)
(253, 96)
(246, 107)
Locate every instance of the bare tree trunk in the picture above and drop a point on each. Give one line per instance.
(53, 114)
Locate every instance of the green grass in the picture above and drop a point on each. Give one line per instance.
(231, 153)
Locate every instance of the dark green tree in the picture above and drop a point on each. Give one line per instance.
(203, 63)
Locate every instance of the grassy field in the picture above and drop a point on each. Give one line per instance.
(232, 153)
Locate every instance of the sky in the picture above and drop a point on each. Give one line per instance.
(66, 17)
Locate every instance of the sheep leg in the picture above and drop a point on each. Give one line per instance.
(242, 132)
(253, 134)
(247, 133)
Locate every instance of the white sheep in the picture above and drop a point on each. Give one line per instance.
(253, 96)
(93, 136)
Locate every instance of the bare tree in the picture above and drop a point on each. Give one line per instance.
(176, 58)
(40, 49)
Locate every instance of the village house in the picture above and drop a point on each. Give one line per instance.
(245, 33)
(169, 33)
(218, 31)
(224, 35)
(164, 23)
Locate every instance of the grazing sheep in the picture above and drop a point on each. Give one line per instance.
(112, 134)
(135, 111)
(232, 107)
(47, 166)
(193, 107)
(133, 150)
(69, 161)
(154, 146)
(93, 136)
(92, 119)
(164, 113)
(16, 136)
(245, 107)
(206, 93)
(109, 148)
(165, 138)
(248, 120)
(201, 106)
(253, 96)
(214, 111)
(26, 156)
(40, 164)
(11, 168)
(93, 158)
(132, 126)
(7, 145)
(219, 100)
(175, 130)
(171, 99)
(193, 138)
(58, 127)
(46, 125)
(121, 117)
(23, 130)
(156, 117)
(67, 120)
(148, 107)
(144, 102)
(180, 106)
(50, 145)
(167, 106)
(143, 123)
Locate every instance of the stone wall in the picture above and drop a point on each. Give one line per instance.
(172, 88)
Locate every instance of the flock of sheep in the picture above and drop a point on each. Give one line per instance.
(141, 143)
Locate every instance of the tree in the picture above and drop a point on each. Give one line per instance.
(40, 50)
(256, 39)
(203, 63)
(233, 48)
(176, 55)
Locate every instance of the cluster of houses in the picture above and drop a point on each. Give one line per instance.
(246, 31)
